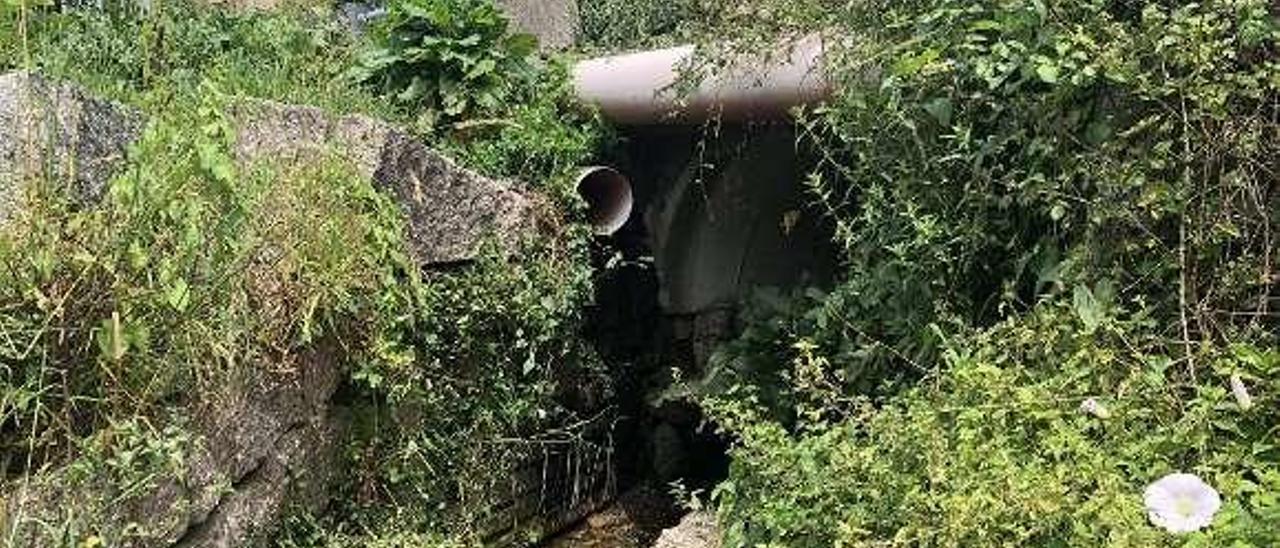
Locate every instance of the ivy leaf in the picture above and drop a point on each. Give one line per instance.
(455, 105)
(416, 90)
(1048, 72)
(1097, 132)
(482, 68)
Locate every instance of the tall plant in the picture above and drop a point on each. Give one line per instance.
(448, 59)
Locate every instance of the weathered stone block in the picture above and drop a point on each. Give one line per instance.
(261, 450)
(450, 210)
(695, 530)
(55, 133)
(272, 443)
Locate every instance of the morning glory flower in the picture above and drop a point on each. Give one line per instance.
(1241, 393)
(1094, 407)
(1181, 503)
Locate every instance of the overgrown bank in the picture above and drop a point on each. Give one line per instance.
(1059, 284)
(197, 279)
(1056, 227)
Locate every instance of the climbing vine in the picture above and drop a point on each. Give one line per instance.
(1038, 204)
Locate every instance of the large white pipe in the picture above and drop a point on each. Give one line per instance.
(640, 88)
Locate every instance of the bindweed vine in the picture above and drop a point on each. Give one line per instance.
(1043, 207)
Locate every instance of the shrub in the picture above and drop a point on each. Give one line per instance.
(544, 137)
(154, 58)
(163, 291)
(987, 166)
(994, 448)
(446, 59)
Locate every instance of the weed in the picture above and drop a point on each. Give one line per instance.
(197, 273)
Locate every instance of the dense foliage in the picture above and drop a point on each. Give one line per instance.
(1038, 203)
(192, 274)
(995, 449)
(1056, 220)
(446, 59)
(126, 53)
(613, 26)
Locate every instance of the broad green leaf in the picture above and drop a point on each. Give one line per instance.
(522, 45)
(216, 162)
(484, 67)
(1048, 72)
(908, 65)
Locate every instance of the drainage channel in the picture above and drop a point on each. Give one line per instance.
(714, 220)
(657, 443)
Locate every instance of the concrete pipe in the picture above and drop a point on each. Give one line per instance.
(640, 88)
(608, 196)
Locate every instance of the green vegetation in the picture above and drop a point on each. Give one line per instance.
(156, 58)
(612, 26)
(188, 278)
(1038, 203)
(447, 59)
(1056, 223)
(994, 449)
(193, 276)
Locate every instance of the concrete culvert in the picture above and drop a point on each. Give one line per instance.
(608, 196)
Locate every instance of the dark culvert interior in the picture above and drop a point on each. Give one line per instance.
(716, 217)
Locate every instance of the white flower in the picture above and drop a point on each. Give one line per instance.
(1242, 394)
(1181, 503)
(1095, 408)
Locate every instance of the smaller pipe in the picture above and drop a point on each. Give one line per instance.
(608, 196)
(640, 88)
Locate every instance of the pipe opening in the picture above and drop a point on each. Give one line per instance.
(608, 196)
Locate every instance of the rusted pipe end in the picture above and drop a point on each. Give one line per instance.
(608, 196)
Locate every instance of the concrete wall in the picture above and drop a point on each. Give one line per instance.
(719, 232)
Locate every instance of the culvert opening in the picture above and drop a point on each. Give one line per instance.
(700, 242)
